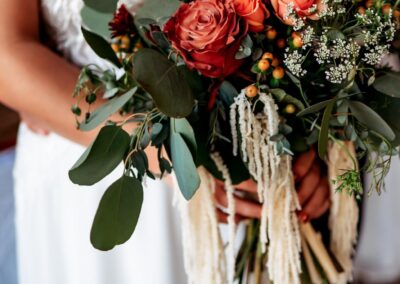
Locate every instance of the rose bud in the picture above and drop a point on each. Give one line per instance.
(254, 11)
(303, 9)
(208, 34)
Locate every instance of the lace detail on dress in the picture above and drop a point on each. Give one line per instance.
(63, 20)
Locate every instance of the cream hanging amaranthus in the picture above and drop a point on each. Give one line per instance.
(273, 173)
(281, 235)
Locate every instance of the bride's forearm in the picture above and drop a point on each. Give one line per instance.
(36, 81)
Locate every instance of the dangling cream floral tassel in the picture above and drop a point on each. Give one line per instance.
(202, 243)
(273, 173)
(343, 217)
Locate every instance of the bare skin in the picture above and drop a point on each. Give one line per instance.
(38, 84)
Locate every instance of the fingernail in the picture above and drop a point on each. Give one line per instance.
(303, 217)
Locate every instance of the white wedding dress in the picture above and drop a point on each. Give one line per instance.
(53, 216)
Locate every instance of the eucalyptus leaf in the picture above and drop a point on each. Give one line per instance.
(101, 47)
(315, 107)
(371, 119)
(106, 110)
(324, 132)
(388, 84)
(103, 6)
(96, 21)
(118, 213)
(102, 157)
(183, 127)
(156, 9)
(110, 93)
(184, 166)
(164, 81)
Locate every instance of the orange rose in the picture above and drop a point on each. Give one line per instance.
(207, 34)
(303, 8)
(254, 11)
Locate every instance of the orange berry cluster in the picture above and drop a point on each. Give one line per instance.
(268, 61)
(271, 34)
(386, 8)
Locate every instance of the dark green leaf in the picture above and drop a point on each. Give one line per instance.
(140, 162)
(185, 169)
(96, 21)
(101, 47)
(103, 6)
(118, 213)
(324, 132)
(371, 119)
(388, 84)
(315, 107)
(106, 110)
(164, 82)
(102, 157)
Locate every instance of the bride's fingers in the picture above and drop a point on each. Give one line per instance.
(247, 185)
(244, 208)
(319, 202)
(309, 184)
(303, 164)
(223, 217)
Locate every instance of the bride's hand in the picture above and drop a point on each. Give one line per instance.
(312, 186)
(33, 124)
(246, 207)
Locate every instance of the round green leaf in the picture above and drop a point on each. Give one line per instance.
(103, 6)
(163, 80)
(101, 47)
(184, 166)
(96, 21)
(102, 157)
(118, 214)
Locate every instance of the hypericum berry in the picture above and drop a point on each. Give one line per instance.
(268, 55)
(251, 91)
(297, 42)
(278, 73)
(281, 43)
(115, 47)
(290, 109)
(369, 3)
(361, 10)
(263, 65)
(271, 33)
(275, 62)
(125, 42)
(386, 8)
(396, 13)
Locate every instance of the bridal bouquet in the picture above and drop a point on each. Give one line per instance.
(233, 89)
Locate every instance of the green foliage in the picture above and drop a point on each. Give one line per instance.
(164, 81)
(157, 9)
(371, 119)
(101, 47)
(350, 181)
(183, 163)
(96, 21)
(118, 213)
(324, 132)
(183, 127)
(388, 84)
(103, 6)
(102, 157)
(106, 110)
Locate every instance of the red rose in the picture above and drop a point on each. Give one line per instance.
(207, 34)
